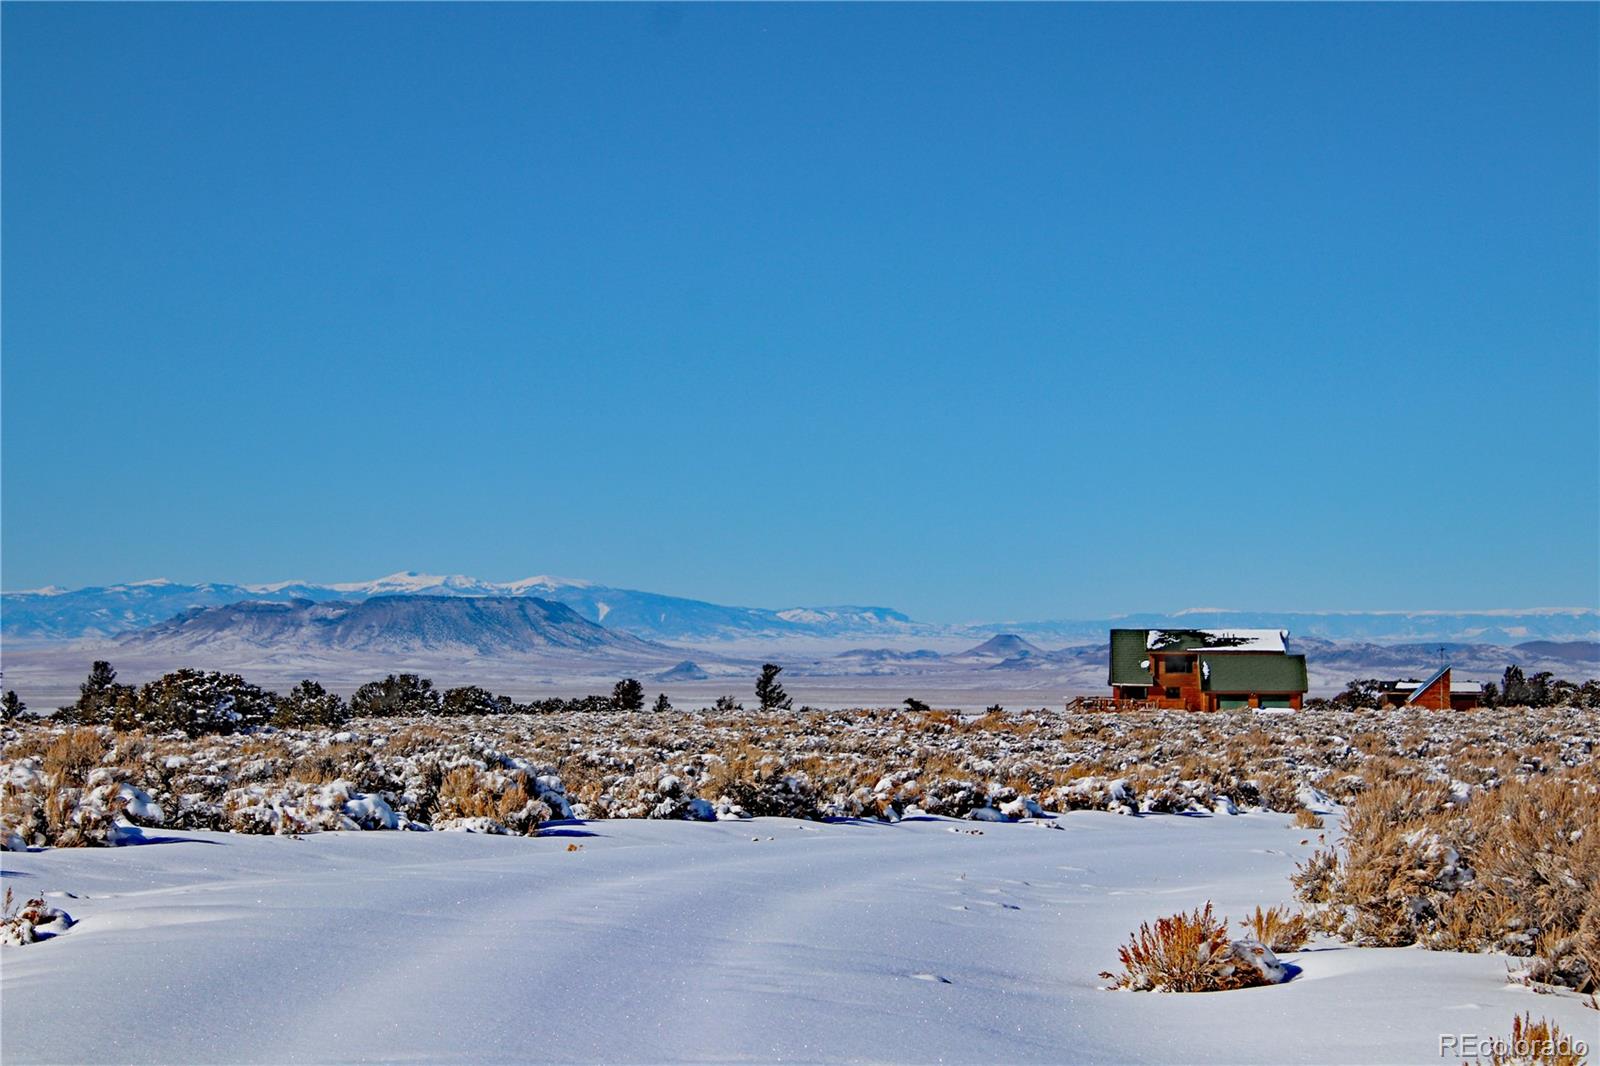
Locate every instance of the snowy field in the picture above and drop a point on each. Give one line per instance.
(762, 940)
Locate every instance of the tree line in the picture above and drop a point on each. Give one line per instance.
(198, 702)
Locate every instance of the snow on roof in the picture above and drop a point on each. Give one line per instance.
(1221, 639)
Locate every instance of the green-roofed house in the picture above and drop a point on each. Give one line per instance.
(1206, 669)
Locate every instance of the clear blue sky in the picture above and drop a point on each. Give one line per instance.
(980, 312)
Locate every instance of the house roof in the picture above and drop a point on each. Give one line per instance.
(1253, 673)
(1420, 689)
(1127, 652)
(1216, 639)
(1223, 668)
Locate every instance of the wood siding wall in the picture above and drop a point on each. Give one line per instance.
(1436, 697)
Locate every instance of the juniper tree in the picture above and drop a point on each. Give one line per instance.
(1513, 687)
(98, 694)
(407, 696)
(628, 695)
(1364, 693)
(12, 707)
(309, 706)
(769, 693)
(470, 699)
(662, 704)
(915, 705)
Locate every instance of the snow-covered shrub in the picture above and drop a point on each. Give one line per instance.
(195, 702)
(763, 790)
(1279, 928)
(678, 802)
(862, 802)
(32, 921)
(258, 809)
(65, 798)
(1193, 953)
(1315, 881)
(950, 797)
(1094, 793)
(301, 807)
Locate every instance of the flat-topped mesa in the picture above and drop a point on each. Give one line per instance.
(1206, 669)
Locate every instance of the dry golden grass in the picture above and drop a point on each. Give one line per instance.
(1537, 1043)
(68, 760)
(1279, 928)
(1304, 819)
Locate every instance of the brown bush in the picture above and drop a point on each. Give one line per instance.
(1514, 869)
(764, 791)
(1184, 953)
(465, 792)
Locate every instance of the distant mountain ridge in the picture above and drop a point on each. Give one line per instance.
(56, 614)
(391, 624)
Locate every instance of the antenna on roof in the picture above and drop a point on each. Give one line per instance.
(1441, 655)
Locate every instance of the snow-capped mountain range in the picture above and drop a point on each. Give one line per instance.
(108, 611)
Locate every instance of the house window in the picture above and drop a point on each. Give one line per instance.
(1174, 693)
(1179, 664)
